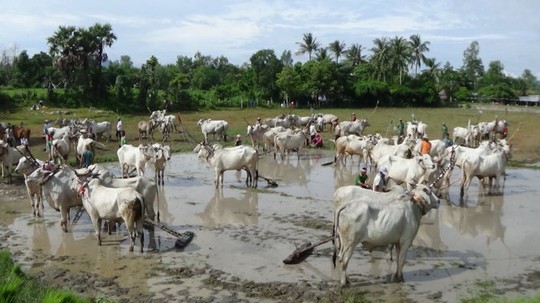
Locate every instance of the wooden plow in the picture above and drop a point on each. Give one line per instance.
(304, 251)
(183, 238)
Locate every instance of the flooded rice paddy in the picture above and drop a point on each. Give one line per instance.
(242, 236)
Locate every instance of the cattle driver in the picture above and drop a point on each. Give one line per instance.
(361, 179)
(379, 182)
(401, 128)
(119, 129)
(425, 146)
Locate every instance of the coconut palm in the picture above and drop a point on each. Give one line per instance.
(308, 45)
(400, 56)
(418, 49)
(354, 55)
(322, 54)
(380, 58)
(338, 48)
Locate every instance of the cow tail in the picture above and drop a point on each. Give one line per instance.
(138, 210)
(336, 236)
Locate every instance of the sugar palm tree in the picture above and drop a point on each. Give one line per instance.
(338, 48)
(308, 45)
(418, 49)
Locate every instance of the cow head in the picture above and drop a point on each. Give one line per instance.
(424, 198)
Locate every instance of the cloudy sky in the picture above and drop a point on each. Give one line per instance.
(508, 31)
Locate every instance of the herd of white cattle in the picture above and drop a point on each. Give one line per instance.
(415, 181)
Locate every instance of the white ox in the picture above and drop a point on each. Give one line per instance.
(114, 204)
(256, 132)
(379, 219)
(327, 119)
(144, 186)
(354, 145)
(285, 142)
(59, 189)
(9, 156)
(411, 130)
(270, 135)
(160, 117)
(233, 158)
(162, 155)
(382, 149)
(131, 157)
(483, 166)
(409, 171)
(60, 149)
(215, 127)
(100, 129)
(353, 127)
(27, 166)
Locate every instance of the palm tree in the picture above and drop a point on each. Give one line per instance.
(418, 49)
(322, 54)
(400, 56)
(354, 55)
(338, 48)
(309, 45)
(380, 58)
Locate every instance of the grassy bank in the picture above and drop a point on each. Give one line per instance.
(522, 130)
(15, 286)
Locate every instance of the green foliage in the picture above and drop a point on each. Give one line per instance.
(77, 73)
(15, 286)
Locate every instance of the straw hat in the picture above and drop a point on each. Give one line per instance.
(384, 170)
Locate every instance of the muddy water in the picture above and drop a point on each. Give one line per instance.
(243, 235)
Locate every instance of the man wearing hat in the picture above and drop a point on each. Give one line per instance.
(361, 179)
(444, 130)
(379, 182)
(238, 140)
(425, 146)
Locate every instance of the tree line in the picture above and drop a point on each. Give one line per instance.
(76, 72)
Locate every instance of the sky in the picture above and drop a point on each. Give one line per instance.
(508, 31)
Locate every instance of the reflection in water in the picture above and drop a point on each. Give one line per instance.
(222, 210)
(291, 171)
(429, 233)
(484, 219)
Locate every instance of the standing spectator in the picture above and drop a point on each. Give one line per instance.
(401, 128)
(122, 138)
(353, 117)
(361, 179)
(444, 131)
(258, 121)
(447, 141)
(46, 126)
(119, 129)
(87, 158)
(425, 146)
(379, 182)
(312, 131)
(10, 138)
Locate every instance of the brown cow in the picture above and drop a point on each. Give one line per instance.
(19, 132)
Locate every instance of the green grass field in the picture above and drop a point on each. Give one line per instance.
(523, 124)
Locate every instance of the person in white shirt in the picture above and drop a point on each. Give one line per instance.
(119, 129)
(379, 182)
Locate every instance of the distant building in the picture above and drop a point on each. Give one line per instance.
(529, 100)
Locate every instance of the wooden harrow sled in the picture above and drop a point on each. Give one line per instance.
(304, 251)
(183, 238)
